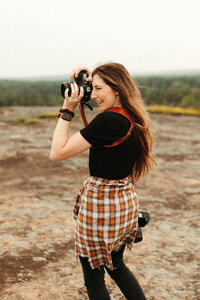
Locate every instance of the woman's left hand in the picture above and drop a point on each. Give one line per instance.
(76, 96)
(74, 73)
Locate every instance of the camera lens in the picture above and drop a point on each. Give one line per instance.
(80, 81)
(64, 86)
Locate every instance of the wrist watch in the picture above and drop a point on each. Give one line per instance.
(66, 116)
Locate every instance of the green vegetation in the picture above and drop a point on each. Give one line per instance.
(24, 93)
(26, 121)
(173, 91)
(183, 91)
(164, 109)
(161, 109)
(48, 115)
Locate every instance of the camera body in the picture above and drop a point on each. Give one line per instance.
(80, 81)
(143, 219)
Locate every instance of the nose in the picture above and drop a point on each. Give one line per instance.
(93, 95)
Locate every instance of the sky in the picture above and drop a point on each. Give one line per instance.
(46, 38)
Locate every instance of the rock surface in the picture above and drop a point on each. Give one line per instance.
(37, 229)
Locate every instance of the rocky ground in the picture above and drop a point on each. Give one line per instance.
(37, 229)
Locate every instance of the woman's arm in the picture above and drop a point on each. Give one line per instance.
(64, 147)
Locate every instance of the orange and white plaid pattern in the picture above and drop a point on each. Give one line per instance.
(107, 214)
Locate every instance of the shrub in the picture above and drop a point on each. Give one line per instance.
(48, 115)
(25, 120)
(164, 109)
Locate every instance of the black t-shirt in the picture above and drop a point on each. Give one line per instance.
(110, 162)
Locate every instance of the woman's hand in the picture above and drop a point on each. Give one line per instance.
(74, 73)
(76, 96)
(63, 146)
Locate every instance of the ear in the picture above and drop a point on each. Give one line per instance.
(116, 93)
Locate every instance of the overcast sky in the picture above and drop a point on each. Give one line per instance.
(51, 37)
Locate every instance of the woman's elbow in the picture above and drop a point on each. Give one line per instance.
(58, 155)
(54, 156)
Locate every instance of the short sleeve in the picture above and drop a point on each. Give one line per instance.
(106, 128)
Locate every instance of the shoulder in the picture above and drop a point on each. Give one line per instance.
(106, 128)
(112, 118)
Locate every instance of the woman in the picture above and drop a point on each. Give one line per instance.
(106, 208)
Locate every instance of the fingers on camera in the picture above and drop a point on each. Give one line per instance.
(89, 79)
(73, 90)
(81, 92)
(76, 88)
(74, 73)
(66, 93)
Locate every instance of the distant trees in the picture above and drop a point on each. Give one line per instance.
(192, 99)
(181, 91)
(25, 93)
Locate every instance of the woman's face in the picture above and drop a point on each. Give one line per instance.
(103, 95)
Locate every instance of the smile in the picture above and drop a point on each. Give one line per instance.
(99, 102)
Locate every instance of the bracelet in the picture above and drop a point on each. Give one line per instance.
(68, 111)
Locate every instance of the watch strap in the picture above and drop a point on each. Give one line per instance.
(68, 111)
(65, 116)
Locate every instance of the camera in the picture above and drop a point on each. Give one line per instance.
(80, 81)
(143, 219)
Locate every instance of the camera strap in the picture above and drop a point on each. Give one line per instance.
(118, 110)
(82, 111)
(124, 113)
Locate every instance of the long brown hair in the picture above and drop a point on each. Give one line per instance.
(118, 78)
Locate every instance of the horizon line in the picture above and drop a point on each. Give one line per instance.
(136, 74)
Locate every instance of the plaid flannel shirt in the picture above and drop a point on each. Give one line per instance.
(106, 212)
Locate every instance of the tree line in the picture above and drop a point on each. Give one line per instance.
(183, 91)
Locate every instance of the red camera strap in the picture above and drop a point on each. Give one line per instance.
(118, 110)
(82, 111)
(124, 113)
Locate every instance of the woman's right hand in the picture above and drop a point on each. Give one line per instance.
(76, 96)
(74, 73)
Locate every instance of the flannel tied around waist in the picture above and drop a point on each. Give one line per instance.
(106, 212)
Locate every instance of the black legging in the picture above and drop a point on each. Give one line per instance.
(124, 278)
